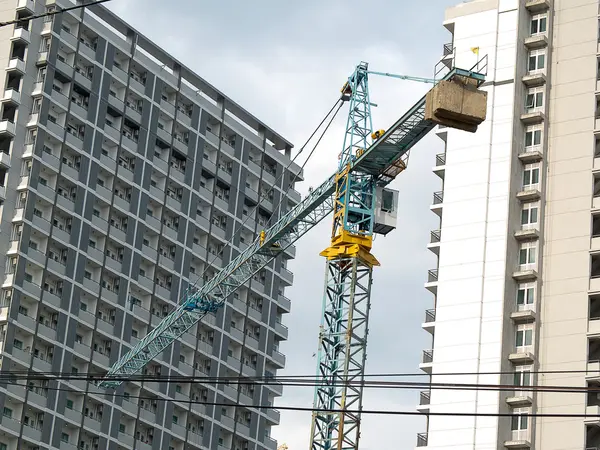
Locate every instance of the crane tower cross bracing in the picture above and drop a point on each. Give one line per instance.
(377, 164)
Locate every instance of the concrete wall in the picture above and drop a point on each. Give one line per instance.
(564, 307)
(470, 312)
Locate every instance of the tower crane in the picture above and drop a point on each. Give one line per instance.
(362, 206)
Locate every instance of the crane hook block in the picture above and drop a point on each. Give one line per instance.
(377, 134)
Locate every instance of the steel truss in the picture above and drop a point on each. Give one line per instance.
(382, 161)
(342, 354)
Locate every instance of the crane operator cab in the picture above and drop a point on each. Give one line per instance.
(386, 210)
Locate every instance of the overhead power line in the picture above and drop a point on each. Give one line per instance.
(52, 13)
(335, 411)
(280, 378)
(13, 377)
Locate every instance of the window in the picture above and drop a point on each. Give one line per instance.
(45, 44)
(525, 296)
(69, 404)
(64, 437)
(537, 61)
(533, 138)
(534, 101)
(520, 420)
(387, 200)
(7, 412)
(41, 75)
(529, 216)
(539, 24)
(524, 337)
(37, 105)
(522, 376)
(121, 428)
(31, 135)
(527, 254)
(531, 176)
(519, 424)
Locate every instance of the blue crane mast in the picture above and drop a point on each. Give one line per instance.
(367, 163)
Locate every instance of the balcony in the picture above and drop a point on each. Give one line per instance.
(427, 361)
(432, 281)
(429, 323)
(448, 55)
(525, 274)
(523, 316)
(7, 127)
(529, 194)
(17, 65)
(534, 79)
(424, 401)
(531, 154)
(518, 443)
(21, 34)
(434, 241)
(440, 165)
(26, 5)
(527, 234)
(519, 399)
(533, 117)
(422, 440)
(521, 356)
(438, 199)
(536, 41)
(594, 412)
(12, 95)
(537, 6)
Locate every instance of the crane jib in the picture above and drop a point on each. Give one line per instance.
(196, 303)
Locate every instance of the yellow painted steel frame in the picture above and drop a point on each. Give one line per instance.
(344, 243)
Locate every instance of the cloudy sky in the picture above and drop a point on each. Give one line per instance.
(285, 62)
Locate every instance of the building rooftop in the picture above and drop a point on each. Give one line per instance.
(166, 62)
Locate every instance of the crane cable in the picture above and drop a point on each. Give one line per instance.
(263, 196)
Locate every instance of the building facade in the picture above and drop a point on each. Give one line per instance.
(124, 175)
(516, 289)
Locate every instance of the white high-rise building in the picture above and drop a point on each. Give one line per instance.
(517, 285)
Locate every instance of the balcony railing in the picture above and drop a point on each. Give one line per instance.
(436, 236)
(438, 197)
(427, 356)
(425, 398)
(448, 49)
(440, 159)
(432, 275)
(430, 315)
(422, 440)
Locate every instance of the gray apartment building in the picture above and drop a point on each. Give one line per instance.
(123, 176)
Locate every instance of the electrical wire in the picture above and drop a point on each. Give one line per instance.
(52, 13)
(283, 378)
(324, 410)
(12, 377)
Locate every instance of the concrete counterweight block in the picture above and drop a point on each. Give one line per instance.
(456, 104)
